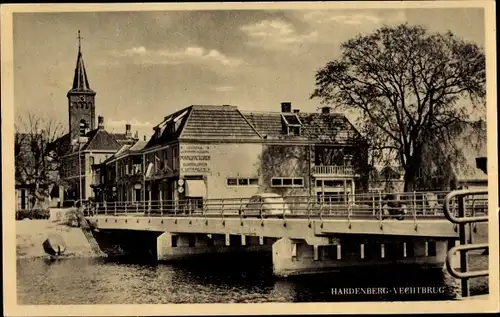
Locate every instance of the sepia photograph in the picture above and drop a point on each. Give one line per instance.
(312, 156)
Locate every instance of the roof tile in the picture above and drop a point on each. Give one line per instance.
(217, 122)
(315, 126)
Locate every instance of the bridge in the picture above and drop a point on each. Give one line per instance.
(305, 234)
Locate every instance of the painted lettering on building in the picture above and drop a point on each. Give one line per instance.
(195, 159)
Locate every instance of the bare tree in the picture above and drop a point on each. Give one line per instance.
(408, 88)
(37, 154)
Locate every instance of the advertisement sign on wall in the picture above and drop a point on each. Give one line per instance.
(195, 159)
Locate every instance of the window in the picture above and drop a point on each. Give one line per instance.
(329, 183)
(157, 132)
(83, 127)
(292, 124)
(294, 131)
(242, 181)
(287, 182)
(91, 163)
(171, 128)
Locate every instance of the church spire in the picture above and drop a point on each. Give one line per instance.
(79, 42)
(80, 80)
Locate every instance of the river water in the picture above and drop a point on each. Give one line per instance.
(237, 280)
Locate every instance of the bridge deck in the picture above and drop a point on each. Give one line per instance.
(296, 227)
(412, 215)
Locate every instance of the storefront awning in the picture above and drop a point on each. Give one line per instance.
(196, 188)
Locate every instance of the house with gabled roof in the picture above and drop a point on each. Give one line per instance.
(218, 151)
(117, 177)
(468, 169)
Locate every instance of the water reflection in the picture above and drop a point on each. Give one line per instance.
(111, 281)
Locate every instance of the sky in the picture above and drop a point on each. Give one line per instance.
(146, 65)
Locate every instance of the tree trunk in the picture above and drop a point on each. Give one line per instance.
(410, 181)
(413, 164)
(411, 173)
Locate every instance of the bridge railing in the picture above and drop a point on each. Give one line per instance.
(409, 205)
(464, 219)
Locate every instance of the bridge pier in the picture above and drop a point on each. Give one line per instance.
(173, 246)
(295, 256)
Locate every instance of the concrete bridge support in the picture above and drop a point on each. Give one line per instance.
(295, 257)
(171, 246)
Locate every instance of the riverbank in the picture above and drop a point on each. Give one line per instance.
(30, 234)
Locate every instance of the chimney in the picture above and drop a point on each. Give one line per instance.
(128, 130)
(325, 110)
(100, 122)
(286, 107)
(296, 110)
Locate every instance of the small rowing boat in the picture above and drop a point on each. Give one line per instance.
(54, 245)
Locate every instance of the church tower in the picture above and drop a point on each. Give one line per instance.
(81, 100)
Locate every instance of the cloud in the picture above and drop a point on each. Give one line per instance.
(317, 27)
(192, 54)
(223, 88)
(277, 34)
(320, 17)
(353, 19)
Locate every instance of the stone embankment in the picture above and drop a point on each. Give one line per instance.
(30, 235)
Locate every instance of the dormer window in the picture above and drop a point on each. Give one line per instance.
(294, 131)
(177, 120)
(157, 132)
(171, 127)
(291, 124)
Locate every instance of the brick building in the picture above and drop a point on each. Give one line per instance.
(221, 152)
(85, 144)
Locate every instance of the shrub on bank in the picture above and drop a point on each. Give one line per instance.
(39, 213)
(71, 218)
